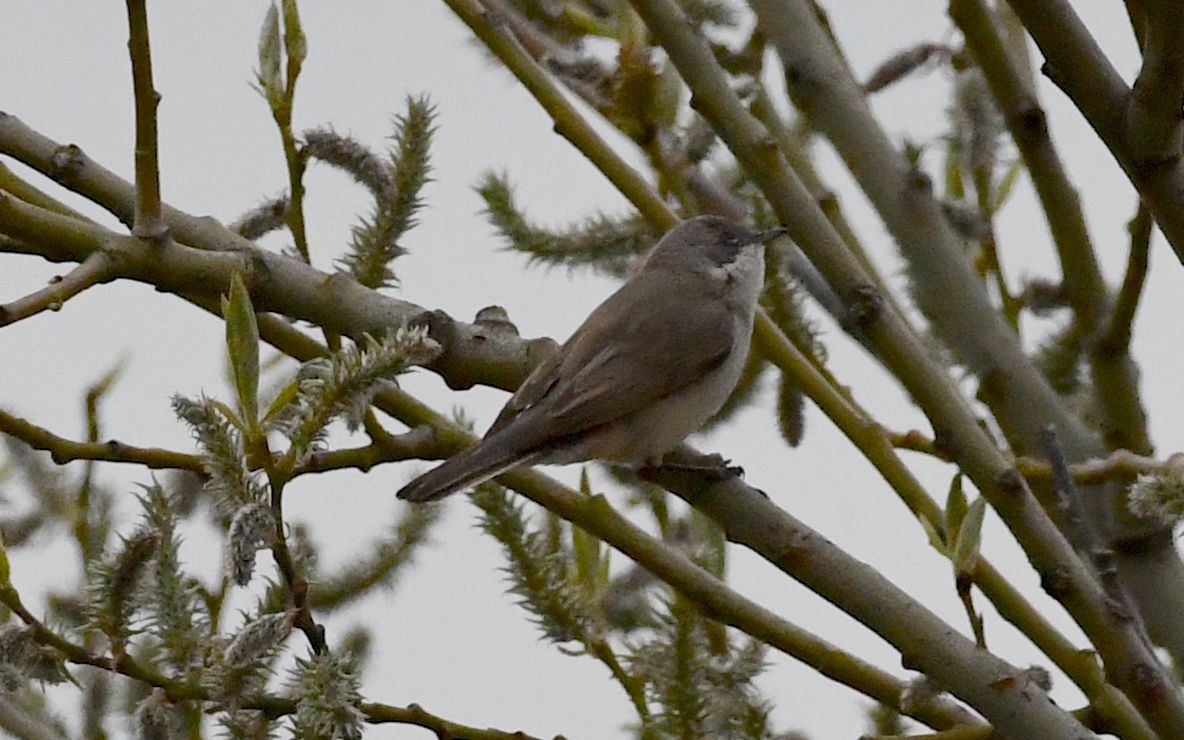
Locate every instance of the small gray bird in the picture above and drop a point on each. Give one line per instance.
(645, 369)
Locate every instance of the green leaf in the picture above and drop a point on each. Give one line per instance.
(270, 59)
(934, 534)
(242, 345)
(955, 505)
(295, 42)
(1006, 185)
(227, 413)
(286, 395)
(965, 555)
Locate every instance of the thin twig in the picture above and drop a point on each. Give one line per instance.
(64, 450)
(1120, 465)
(1117, 339)
(149, 221)
(95, 269)
(297, 585)
(1081, 531)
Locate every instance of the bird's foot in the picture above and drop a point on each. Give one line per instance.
(716, 470)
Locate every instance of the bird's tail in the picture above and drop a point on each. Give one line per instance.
(477, 464)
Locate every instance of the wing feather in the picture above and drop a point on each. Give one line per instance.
(620, 361)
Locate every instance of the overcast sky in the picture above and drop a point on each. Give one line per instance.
(447, 636)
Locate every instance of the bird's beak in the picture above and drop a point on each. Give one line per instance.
(763, 237)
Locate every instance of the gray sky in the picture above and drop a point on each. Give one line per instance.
(448, 637)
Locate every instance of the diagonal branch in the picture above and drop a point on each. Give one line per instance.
(95, 269)
(750, 518)
(1155, 123)
(1117, 338)
(1115, 378)
(1077, 65)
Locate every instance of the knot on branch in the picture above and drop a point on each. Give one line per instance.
(1031, 119)
(65, 164)
(495, 320)
(864, 305)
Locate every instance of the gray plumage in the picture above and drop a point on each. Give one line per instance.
(646, 368)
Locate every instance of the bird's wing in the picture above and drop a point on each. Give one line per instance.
(612, 368)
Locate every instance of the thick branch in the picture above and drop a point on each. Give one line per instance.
(946, 287)
(989, 684)
(472, 353)
(1155, 122)
(749, 518)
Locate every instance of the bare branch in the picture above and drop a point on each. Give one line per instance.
(972, 674)
(1115, 378)
(1077, 65)
(64, 450)
(95, 269)
(1117, 338)
(148, 223)
(1156, 128)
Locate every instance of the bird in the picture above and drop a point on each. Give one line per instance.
(644, 370)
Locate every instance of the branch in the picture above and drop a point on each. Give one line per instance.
(1129, 661)
(417, 444)
(1155, 122)
(947, 290)
(303, 289)
(1077, 65)
(472, 353)
(500, 40)
(1120, 465)
(1117, 339)
(10, 182)
(749, 518)
(1116, 381)
(64, 450)
(148, 223)
(94, 269)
